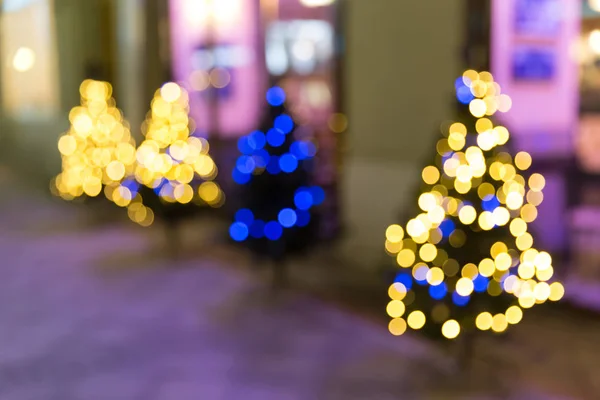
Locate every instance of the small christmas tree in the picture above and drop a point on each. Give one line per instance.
(98, 150)
(173, 164)
(274, 169)
(467, 258)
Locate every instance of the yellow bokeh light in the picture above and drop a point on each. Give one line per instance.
(431, 175)
(498, 248)
(484, 321)
(503, 261)
(396, 308)
(416, 320)
(406, 258)
(469, 271)
(557, 291)
(529, 213)
(170, 92)
(394, 233)
(478, 108)
(518, 227)
(525, 241)
(397, 291)
(464, 286)
(499, 323)
(487, 267)
(467, 215)
(486, 220)
(523, 160)
(397, 326)
(514, 315)
(435, 276)
(537, 182)
(450, 329)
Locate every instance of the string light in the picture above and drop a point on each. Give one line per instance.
(472, 161)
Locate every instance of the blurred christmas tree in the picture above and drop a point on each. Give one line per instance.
(276, 197)
(467, 259)
(174, 170)
(98, 150)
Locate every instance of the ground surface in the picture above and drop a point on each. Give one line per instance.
(94, 312)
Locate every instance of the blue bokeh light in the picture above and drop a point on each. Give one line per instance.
(244, 145)
(261, 158)
(239, 177)
(244, 215)
(275, 137)
(276, 96)
(464, 95)
(303, 218)
(490, 203)
(287, 217)
(284, 123)
(257, 229)
(459, 82)
(447, 227)
(132, 185)
(238, 231)
(318, 195)
(257, 140)
(273, 165)
(438, 292)
(273, 230)
(480, 283)
(288, 163)
(245, 164)
(459, 300)
(303, 199)
(405, 279)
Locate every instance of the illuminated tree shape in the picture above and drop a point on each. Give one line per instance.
(274, 162)
(98, 150)
(171, 160)
(467, 259)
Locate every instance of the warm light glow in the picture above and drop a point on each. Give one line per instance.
(316, 3)
(450, 329)
(24, 59)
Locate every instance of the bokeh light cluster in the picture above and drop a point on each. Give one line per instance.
(474, 163)
(98, 150)
(255, 159)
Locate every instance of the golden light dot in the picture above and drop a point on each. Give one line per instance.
(478, 108)
(406, 258)
(497, 248)
(456, 141)
(149, 218)
(170, 92)
(543, 260)
(394, 233)
(486, 140)
(431, 175)
(428, 252)
(115, 170)
(462, 187)
(416, 227)
(529, 213)
(486, 76)
(464, 286)
(525, 241)
(450, 329)
(67, 145)
(502, 135)
(397, 291)
(199, 80)
(537, 182)
(518, 227)
(393, 248)
(458, 128)
(209, 191)
(183, 193)
(397, 326)
(542, 291)
(435, 276)
(395, 308)
(557, 291)
(484, 321)
(427, 201)
(527, 301)
(469, 271)
(526, 270)
(523, 160)
(338, 123)
(478, 88)
(504, 103)
(514, 200)
(487, 267)
(494, 288)
(220, 77)
(499, 323)
(486, 220)
(544, 274)
(535, 198)
(501, 216)
(503, 261)
(416, 320)
(514, 315)
(485, 189)
(483, 124)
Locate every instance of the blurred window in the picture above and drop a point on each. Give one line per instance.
(28, 59)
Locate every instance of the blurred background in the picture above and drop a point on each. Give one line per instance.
(95, 307)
